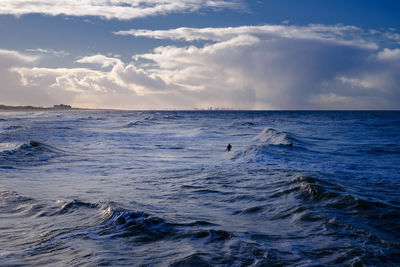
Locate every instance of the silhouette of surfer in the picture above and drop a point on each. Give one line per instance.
(228, 147)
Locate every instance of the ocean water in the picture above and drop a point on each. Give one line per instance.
(90, 188)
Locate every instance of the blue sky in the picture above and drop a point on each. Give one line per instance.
(185, 54)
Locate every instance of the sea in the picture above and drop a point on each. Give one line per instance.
(159, 188)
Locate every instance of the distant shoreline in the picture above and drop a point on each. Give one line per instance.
(32, 108)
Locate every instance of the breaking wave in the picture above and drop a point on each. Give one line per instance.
(271, 136)
(29, 154)
(270, 143)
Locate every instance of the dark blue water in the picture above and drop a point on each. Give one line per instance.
(88, 188)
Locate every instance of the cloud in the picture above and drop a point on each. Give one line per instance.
(115, 9)
(57, 53)
(392, 36)
(127, 75)
(341, 34)
(100, 59)
(80, 86)
(389, 54)
(282, 67)
(330, 98)
(10, 57)
(354, 82)
(248, 67)
(15, 89)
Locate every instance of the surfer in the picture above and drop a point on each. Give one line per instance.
(228, 147)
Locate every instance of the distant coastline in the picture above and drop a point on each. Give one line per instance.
(62, 107)
(33, 108)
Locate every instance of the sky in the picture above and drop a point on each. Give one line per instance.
(189, 54)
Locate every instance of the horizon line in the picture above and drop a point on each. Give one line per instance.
(29, 107)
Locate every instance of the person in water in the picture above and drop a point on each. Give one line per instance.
(228, 147)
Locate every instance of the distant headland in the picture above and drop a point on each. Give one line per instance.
(29, 108)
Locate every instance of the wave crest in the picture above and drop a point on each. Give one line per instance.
(29, 154)
(135, 124)
(271, 136)
(265, 145)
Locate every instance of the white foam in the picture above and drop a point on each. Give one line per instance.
(270, 136)
(8, 146)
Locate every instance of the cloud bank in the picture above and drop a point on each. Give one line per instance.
(115, 9)
(248, 67)
(341, 34)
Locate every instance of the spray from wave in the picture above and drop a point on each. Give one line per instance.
(271, 136)
(269, 143)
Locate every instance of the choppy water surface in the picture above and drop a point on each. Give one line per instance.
(138, 188)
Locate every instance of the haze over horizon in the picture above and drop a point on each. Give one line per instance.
(187, 54)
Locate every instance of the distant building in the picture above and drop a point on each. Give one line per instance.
(61, 106)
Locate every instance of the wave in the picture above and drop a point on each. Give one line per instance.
(172, 116)
(381, 149)
(248, 123)
(243, 124)
(271, 136)
(138, 226)
(314, 188)
(13, 127)
(312, 199)
(34, 145)
(7, 146)
(331, 197)
(29, 154)
(109, 221)
(135, 124)
(109, 224)
(10, 199)
(74, 205)
(149, 118)
(15, 205)
(266, 145)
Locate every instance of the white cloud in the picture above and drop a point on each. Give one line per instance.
(100, 59)
(345, 35)
(330, 98)
(10, 57)
(355, 82)
(118, 9)
(15, 88)
(127, 75)
(389, 54)
(319, 67)
(57, 53)
(392, 36)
